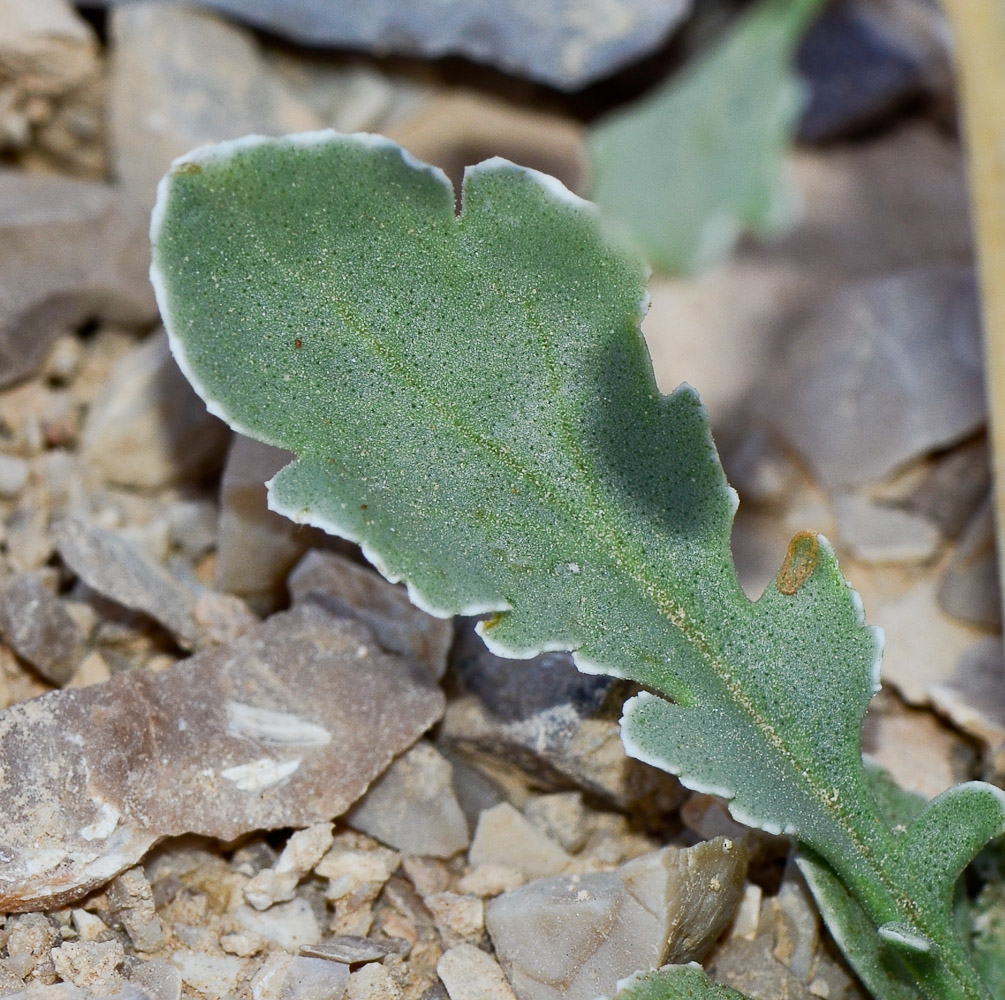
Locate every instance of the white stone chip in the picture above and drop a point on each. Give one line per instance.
(505, 837)
(468, 973)
(214, 976)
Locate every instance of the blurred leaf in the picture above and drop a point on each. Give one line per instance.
(686, 170)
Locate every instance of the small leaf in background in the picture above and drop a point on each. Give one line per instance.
(692, 166)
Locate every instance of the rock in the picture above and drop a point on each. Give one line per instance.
(149, 429)
(302, 852)
(182, 78)
(214, 976)
(290, 925)
(969, 588)
(355, 950)
(256, 548)
(574, 937)
(131, 900)
(39, 629)
(902, 353)
(314, 979)
(504, 837)
(561, 817)
(30, 938)
(286, 727)
(972, 695)
(865, 61)
(353, 590)
(878, 534)
(49, 76)
(121, 571)
(412, 806)
(372, 982)
(560, 42)
(922, 644)
(951, 487)
(14, 473)
(90, 965)
(459, 917)
(161, 980)
(469, 973)
(69, 251)
(551, 720)
(356, 869)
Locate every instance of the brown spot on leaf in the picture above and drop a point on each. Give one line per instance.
(800, 562)
(188, 168)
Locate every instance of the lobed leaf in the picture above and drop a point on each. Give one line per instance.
(469, 397)
(675, 982)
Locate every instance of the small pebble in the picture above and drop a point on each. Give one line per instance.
(14, 473)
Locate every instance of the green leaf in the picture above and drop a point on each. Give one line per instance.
(470, 398)
(686, 170)
(675, 982)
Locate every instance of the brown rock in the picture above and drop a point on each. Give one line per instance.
(285, 727)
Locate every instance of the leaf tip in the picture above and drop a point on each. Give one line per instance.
(801, 561)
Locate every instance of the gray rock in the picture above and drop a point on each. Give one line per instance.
(290, 925)
(256, 548)
(864, 61)
(148, 428)
(181, 78)
(160, 980)
(69, 251)
(352, 949)
(563, 43)
(573, 937)
(556, 723)
(412, 806)
(353, 590)
(885, 371)
(878, 534)
(39, 629)
(468, 973)
(314, 979)
(505, 837)
(126, 574)
(131, 900)
(969, 588)
(14, 473)
(285, 727)
(972, 696)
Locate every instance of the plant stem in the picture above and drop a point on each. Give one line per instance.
(979, 29)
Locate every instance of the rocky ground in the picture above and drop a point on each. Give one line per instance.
(219, 678)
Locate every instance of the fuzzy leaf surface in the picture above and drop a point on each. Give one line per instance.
(690, 167)
(469, 396)
(675, 982)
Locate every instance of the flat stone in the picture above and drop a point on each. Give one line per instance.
(256, 547)
(574, 937)
(39, 629)
(412, 806)
(353, 949)
(879, 534)
(559, 42)
(505, 837)
(148, 429)
(554, 722)
(469, 973)
(901, 353)
(181, 78)
(69, 251)
(969, 588)
(972, 695)
(863, 63)
(126, 574)
(358, 592)
(284, 728)
(922, 643)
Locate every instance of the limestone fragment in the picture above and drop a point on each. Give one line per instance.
(160, 979)
(972, 694)
(352, 949)
(122, 571)
(67, 253)
(412, 806)
(472, 974)
(285, 727)
(212, 975)
(505, 837)
(149, 429)
(39, 629)
(132, 900)
(290, 925)
(372, 982)
(303, 851)
(901, 353)
(314, 979)
(90, 965)
(353, 590)
(573, 937)
(460, 918)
